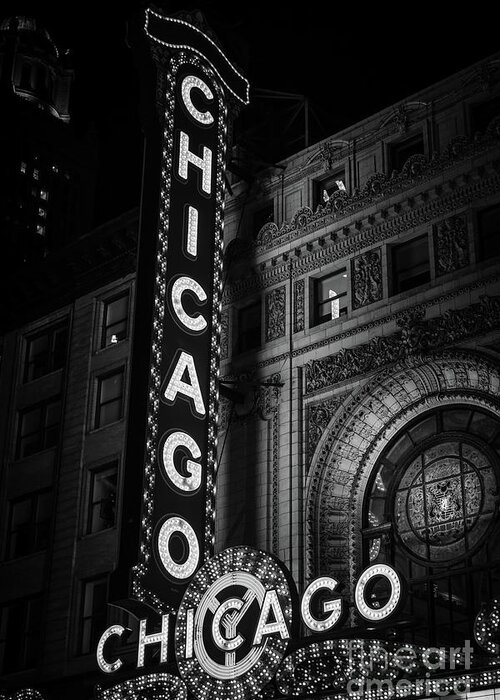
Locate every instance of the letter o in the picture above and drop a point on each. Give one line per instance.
(374, 571)
(172, 526)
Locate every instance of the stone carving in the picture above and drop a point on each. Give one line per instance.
(224, 334)
(401, 119)
(299, 312)
(275, 314)
(416, 335)
(366, 275)
(329, 153)
(318, 417)
(407, 389)
(451, 245)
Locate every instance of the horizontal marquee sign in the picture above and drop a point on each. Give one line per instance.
(237, 617)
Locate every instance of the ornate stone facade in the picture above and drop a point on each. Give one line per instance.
(299, 311)
(451, 245)
(275, 314)
(366, 276)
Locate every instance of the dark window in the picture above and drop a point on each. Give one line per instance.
(38, 428)
(115, 320)
(410, 264)
(323, 189)
(109, 406)
(20, 625)
(262, 216)
(102, 499)
(489, 233)
(249, 327)
(29, 523)
(93, 613)
(45, 352)
(25, 83)
(330, 297)
(482, 113)
(402, 150)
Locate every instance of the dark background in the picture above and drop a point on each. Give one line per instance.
(347, 61)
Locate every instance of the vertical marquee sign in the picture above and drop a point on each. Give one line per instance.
(180, 453)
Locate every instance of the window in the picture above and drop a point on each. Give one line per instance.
(489, 233)
(102, 499)
(402, 150)
(109, 406)
(430, 512)
(38, 428)
(482, 113)
(330, 297)
(262, 216)
(323, 189)
(93, 613)
(410, 264)
(45, 352)
(249, 327)
(29, 523)
(115, 320)
(20, 625)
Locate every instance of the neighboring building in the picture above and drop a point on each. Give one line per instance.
(359, 421)
(47, 170)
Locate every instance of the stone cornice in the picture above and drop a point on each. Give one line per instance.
(417, 335)
(396, 219)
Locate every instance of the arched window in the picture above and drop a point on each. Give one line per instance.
(431, 510)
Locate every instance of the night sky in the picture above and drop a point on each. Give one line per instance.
(347, 61)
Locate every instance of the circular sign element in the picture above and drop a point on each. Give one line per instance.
(233, 625)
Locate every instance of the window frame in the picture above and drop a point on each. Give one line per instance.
(51, 365)
(30, 633)
(87, 641)
(98, 405)
(395, 283)
(42, 406)
(34, 524)
(397, 143)
(241, 347)
(108, 468)
(320, 184)
(482, 254)
(315, 319)
(104, 326)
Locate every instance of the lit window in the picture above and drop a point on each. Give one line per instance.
(115, 320)
(45, 352)
(249, 327)
(23, 167)
(325, 188)
(102, 499)
(29, 523)
(330, 297)
(93, 613)
(410, 264)
(109, 406)
(38, 428)
(489, 232)
(20, 627)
